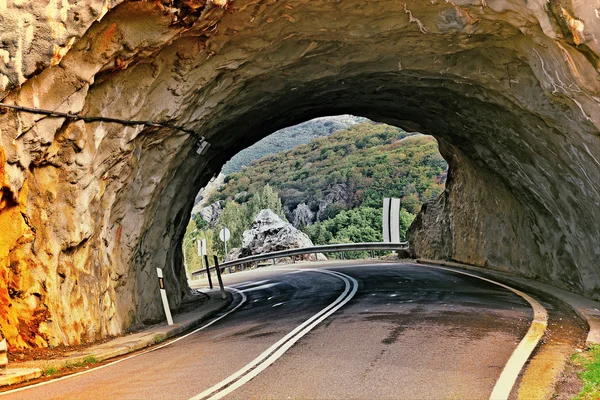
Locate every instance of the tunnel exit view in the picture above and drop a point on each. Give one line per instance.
(300, 199)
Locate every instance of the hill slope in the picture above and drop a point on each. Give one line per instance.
(288, 138)
(348, 169)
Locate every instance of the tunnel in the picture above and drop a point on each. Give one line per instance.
(89, 209)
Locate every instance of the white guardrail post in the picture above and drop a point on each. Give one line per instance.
(163, 295)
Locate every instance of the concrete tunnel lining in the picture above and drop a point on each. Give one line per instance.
(94, 208)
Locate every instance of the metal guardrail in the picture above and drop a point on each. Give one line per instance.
(330, 248)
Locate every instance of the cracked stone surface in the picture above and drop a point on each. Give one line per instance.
(511, 90)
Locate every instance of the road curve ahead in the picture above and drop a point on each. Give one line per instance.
(370, 332)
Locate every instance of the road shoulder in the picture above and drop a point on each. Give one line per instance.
(19, 372)
(545, 367)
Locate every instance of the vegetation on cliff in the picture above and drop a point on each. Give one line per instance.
(235, 217)
(288, 138)
(368, 161)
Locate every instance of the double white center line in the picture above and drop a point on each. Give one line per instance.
(269, 356)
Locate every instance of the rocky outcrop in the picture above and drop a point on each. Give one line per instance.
(302, 216)
(212, 213)
(485, 227)
(234, 253)
(201, 200)
(338, 193)
(89, 209)
(270, 233)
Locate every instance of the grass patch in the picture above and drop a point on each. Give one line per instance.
(89, 359)
(72, 365)
(48, 371)
(158, 339)
(590, 376)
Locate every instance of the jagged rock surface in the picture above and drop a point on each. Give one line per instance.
(270, 233)
(302, 216)
(201, 200)
(212, 213)
(88, 210)
(336, 194)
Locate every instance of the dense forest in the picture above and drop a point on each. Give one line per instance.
(331, 188)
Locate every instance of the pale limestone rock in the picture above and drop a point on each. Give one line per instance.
(270, 233)
(302, 216)
(212, 213)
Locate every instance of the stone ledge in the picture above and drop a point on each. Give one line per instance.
(11, 376)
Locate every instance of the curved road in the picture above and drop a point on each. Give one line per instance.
(408, 332)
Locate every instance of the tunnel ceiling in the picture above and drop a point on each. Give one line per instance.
(510, 89)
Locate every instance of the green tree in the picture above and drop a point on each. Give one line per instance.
(363, 224)
(235, 218)
(262, 199)
(200, 223)
(190, 246)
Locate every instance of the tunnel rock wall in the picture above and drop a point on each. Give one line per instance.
(478, 221)
(89, 209)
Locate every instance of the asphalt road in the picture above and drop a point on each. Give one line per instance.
(408, 332)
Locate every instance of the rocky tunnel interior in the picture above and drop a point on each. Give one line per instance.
(90, 209)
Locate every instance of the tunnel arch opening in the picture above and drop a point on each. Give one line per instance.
(321, 174)
(510, 95)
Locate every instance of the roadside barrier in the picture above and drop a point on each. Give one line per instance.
(330, 248)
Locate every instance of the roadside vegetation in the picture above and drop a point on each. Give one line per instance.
(88, 360)
(288, 138)
(369, 161)
(589, 361)
(49, 371)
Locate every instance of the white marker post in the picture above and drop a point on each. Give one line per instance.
(202, 247)
(224, 235)
(163, 295)
(391, 220)
(202, 251)
(3, 354)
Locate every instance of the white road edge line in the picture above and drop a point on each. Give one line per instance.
(246, 284)
(244, 298)
(261, 287)
(269, 356)
(523, 351)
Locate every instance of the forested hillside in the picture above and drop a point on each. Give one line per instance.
(288, 138)
(351, 168)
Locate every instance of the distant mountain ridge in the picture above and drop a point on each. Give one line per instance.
(288, 138)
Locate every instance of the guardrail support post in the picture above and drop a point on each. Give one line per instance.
(273, 261)
(218, 269)
(372, 253)
(343, 257)
(294, 259)
(208, 271)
